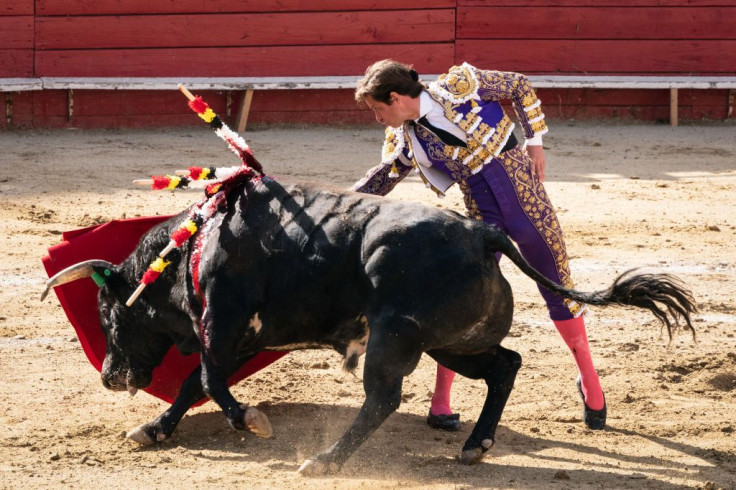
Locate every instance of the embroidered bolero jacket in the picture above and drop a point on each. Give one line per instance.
(470, 98)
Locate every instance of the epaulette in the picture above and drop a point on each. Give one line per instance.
(393, 145)
(460, 84)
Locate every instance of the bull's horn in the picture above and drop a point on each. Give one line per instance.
(74, 272)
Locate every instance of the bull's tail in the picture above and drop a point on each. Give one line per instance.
(664, 295)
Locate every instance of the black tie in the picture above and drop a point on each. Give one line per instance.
(447, 138)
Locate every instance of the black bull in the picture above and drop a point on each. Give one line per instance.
(301, 267)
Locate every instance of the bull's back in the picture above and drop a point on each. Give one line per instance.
(318, 258)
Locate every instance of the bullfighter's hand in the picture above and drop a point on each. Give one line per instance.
(539, 162)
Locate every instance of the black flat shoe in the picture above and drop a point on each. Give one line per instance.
(594, 419)
(450, 423)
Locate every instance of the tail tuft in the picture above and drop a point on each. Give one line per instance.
(664, 295)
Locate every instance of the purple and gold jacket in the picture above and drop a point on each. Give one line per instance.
(470, 98)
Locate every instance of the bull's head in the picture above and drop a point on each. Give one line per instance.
(133, 347)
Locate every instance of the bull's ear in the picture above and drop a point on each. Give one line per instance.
(102, 274)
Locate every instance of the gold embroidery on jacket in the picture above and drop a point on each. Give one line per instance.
(437, 150)
(479, 132)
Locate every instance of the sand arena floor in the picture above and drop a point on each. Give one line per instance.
(627, 196)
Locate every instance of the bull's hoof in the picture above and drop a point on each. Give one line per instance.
(475, 455)
(258, 423)
(141, 436)
(471, 456)
(315, 467)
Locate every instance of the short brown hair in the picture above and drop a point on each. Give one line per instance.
(386, 76)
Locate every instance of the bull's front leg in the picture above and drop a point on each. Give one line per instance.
(163, 426)
(389, 357)
(220, 360)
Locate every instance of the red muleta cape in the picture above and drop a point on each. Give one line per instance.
(113, 242)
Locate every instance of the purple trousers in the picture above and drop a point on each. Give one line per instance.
(504, 194)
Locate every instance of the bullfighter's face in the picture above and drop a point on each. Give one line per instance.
(134, 349)
(400, 108)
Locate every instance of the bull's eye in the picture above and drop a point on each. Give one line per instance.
(105, 312)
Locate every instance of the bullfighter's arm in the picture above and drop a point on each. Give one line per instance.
(395, 165)
(382, 178)
(504, 85)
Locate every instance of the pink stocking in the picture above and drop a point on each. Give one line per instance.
(441, 397)
(573, 333)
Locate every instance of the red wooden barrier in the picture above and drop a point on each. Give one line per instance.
(599, 57)
(136, 109)
(16, 7)
(85, 7)
(617, 37)
(16, 63)
(232, 62)
(611, 23)
(219, 30)
(597, 3)
(16, 38)
(110, 38)
(16, 32)
(648, 105)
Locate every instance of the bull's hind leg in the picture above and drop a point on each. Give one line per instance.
(498, 369)
(389, 357)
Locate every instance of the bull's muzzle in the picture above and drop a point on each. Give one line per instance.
(123, 378)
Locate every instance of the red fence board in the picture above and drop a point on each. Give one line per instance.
(596, 23)
(16, 32)
(84, 7)
(156, 31)
(598, 3)
(16, 7)
(232, 62)
(615, 97)
(139, 103)
(16, 63)
(306, 101)
(142, 102)
(609, 56)
(131, 109)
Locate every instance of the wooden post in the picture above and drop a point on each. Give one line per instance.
(673, 107)
(9, 108)
(244, 110)
(69, 104)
